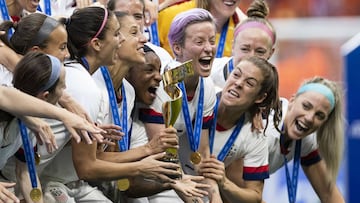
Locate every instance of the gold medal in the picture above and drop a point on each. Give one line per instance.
(123, 184)
(195, 158)
(35, 194)
(37, 158)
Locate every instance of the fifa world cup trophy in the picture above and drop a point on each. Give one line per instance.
(172, 108)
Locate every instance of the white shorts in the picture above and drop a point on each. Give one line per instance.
(77, 191)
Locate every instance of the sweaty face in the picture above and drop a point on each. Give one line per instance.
(306, 113)
(199, 46)
(55, 95)
(243, 86)
(146, 78)
(57, 44)
(132, 50)
(252, 42)
(29, 5)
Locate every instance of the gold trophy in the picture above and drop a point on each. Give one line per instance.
(172, 108)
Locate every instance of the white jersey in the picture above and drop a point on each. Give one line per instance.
(59, 8)
(62, 137)
(219, 71)
(11, 147)
(138, 133)
(5, 76)
(154, 115)
(249, 145)
(309, 148)
(10, 141)
(130, 99)
(83, 89)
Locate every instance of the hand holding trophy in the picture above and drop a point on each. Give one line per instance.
(171, 109)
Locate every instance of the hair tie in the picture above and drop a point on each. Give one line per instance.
(319, 88)
(55, 73)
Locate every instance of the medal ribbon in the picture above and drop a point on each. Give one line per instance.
(124, 142)
(227, 146)
(154, 36)
(193, 135)
(29, 153)
(292, 181)
(5, 14)
(213, 126)
(85, 63)
(47, 6)
(231, 65)
(221, 45)
(4, 10)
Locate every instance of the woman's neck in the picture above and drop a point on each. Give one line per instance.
(94, 64)
(220, 20)
(118, 73)
(286, 140)
(228, 117)
(191, 83)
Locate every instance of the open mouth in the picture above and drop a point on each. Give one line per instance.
(233, 93)
(301, 126)
(205, 61)
(152, 90)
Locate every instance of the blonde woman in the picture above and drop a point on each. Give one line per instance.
(312, 121)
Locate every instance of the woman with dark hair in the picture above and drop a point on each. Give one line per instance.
(38, 32)
(93, 40)
(42, 76)
(239, 162)
(49, 86)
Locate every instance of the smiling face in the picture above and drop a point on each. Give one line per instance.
(223, 8)
(243, 86)
(111, 43)
(57, 44)
(306, 113)
(252, 42)
(146, 78)
(132, 50)
(29, 5)
(199, 45)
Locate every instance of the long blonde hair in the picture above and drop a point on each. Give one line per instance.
(330, 135)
